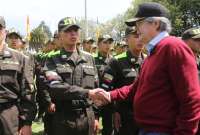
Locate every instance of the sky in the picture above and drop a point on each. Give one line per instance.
(51, 11)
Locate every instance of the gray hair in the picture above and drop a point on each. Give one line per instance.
(165, 24)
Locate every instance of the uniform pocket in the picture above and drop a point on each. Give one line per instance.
(88, 78)
(10, 120)
(9, 73)
(65, 73)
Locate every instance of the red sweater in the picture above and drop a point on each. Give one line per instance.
(167, 90)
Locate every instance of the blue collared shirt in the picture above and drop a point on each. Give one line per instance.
(152, 44)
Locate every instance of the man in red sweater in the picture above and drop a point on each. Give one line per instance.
(166, 95)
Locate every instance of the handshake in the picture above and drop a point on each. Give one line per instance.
(99, 96)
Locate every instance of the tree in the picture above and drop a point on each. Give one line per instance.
(39, 36)
(46, 29)
(184, 14)
(92, 28)
(38, 39)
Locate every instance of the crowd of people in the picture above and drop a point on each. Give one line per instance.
(147, 84)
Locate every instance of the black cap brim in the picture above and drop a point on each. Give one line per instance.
(196, 37)
(90, 41)
(108, 39)
(15, 33)
(73, 26)
(132, 22)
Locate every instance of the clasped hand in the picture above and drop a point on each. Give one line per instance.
(99, 96)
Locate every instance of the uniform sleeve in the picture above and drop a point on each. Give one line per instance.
(42, 97)
(111, 80)
(184, 77)
(64, 91)
(60, 90)
(96, 73)
(110, 75)
(27, 101)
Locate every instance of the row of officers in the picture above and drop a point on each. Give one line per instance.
(57, 83)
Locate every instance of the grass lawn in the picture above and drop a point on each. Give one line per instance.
(37, 128)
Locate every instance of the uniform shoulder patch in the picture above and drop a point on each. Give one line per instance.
(94, 55)
(54, 54)
(50, 53)
(84, 52)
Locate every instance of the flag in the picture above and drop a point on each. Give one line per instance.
(97, 33)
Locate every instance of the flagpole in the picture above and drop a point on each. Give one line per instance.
(86, 21)
(27, 31)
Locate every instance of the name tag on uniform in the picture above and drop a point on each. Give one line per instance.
(10, 62)
(87, 66)
(64, 56)
(132, 69)
(132, 59)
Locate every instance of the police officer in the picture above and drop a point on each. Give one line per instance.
(103, 54)
(122, 70)
(56, 41)
(102, 58)
(94, 49)
(87, 44)
(192, 38)
(120, 48)
(14, 40)
(17, 105)
(68, 74)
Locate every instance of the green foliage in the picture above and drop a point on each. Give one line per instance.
(39, 36)
(45, 28)
(92, 28)
(37, 128)
(184, 14)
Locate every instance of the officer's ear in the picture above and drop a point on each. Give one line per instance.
(157, 24)
(60, 36)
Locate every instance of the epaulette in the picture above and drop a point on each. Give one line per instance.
(95, 55)
(122, 55)
(53, 54)
(50, 53)
(84, 52)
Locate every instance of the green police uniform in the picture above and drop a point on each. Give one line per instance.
(66, 79)
(106, 112)
(100, 63)
(194, 34)
(17, 104)
(122, 70)
(43, 97)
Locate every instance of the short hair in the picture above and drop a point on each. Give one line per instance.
(165, 24)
